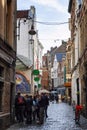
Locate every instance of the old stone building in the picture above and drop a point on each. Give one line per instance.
(67, 68)
(7, 60)
(78, 10)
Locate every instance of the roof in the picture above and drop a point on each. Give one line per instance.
(24, 60)
(61, 48)
(59, 56)
(55, 50)
(22, 13)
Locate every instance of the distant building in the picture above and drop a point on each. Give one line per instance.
(57, 65)
(51, 64)
(45, 76)
(58, 70)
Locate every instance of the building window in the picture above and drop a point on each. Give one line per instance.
(1, 85)
(1, 71)
(69, 48)
(1, 92)
(8, 20)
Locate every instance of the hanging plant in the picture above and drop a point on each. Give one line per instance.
(36, 78)
(39, 85)
(36, 72)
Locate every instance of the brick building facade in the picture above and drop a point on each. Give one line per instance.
(7, 60)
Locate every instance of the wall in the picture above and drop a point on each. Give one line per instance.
(7, 61)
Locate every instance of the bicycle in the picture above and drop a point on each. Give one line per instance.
(78, 110)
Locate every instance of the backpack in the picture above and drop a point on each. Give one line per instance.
(34, 103)
(20, 100)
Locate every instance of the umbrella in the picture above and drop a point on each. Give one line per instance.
(43, 91)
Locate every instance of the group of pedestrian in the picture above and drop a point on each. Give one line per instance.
(31, 108)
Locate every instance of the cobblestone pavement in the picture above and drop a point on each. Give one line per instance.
(60, 117)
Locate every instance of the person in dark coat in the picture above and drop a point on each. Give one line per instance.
(29, 104)
(46, 100)
(41, 103)
(34, 108)
(19, 107)
(37, 108)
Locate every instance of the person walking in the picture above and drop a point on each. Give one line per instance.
(46, 100)
(19, 107)
(41, 103)
(29, 104)
(34, 108)
(37, 109)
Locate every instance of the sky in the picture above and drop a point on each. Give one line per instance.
(51, 11)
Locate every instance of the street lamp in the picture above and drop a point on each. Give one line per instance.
(32, 31)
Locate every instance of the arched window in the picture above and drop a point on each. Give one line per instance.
(69, 48)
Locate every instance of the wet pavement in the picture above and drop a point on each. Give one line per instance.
(60, 117)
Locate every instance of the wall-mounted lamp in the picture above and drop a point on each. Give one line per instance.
(32, 16)
(32, 31)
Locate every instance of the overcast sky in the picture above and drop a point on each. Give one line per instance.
(49, 11)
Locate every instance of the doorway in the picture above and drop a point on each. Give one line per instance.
(78, 92)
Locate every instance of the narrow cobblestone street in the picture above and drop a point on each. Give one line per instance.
(60, 117)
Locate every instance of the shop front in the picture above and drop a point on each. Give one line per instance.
(68, 91)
